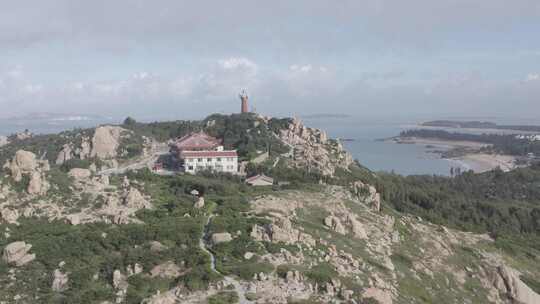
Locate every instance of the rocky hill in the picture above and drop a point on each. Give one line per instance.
(83, 220)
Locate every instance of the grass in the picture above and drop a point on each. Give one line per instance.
(224, 297)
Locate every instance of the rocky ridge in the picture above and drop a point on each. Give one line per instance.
(311, 148)
(369, 253)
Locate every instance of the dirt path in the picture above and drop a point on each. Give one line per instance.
(229, 280)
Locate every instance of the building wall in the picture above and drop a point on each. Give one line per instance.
(224, 164)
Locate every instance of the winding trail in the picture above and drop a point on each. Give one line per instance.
(229, 280)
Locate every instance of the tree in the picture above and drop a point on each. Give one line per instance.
(129, 121)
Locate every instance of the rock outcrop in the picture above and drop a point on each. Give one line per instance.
(37, 184)
(368, 194)
(64, 155)
(222, 237)
(334, 223)
(121, 285)
(80, 174)
(199, 203)
(17, 253)
(106, 141)
(10, 216)
(25, 163)
(311, 148)
(167, 270)
(134, 200)
(507, 282)
(60, 281)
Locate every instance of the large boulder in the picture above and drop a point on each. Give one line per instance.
(335, 224)
(60, 281)
(9, 216)
(119, 280)
(17, 253)
(223, 237)
(64, 155)
(80, 174)
(37, 184)
(507, 281)
(24, 162)
(106, 141)
(167, 270)
(368, 194)
(134, 199)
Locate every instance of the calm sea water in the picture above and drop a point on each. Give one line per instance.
(378, 155)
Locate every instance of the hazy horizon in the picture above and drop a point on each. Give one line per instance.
(183, 59)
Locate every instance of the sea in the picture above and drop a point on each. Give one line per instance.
(362, 137)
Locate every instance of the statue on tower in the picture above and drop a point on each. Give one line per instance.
(244, 100)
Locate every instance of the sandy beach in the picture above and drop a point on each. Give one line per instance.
(473, 160)
(486, 162)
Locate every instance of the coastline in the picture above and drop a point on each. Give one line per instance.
(472, 158)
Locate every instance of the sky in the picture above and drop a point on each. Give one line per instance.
(185, 59)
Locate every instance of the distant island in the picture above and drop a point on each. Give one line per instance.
(480, 152)
(478, 125)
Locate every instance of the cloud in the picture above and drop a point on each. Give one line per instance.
(191, 57)
(533, 77)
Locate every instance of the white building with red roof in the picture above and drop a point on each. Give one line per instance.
(199, 151)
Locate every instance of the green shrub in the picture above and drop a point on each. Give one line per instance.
(322, 273)
(224, 297)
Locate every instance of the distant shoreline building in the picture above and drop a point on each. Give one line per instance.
(198, 151)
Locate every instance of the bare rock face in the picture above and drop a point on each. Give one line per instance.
(37, 184)
(106, 141)
(64, 155)
(133, 270)
(24, 135)
(221, 238)
(382, 296)
(17, 253)
(166, 270)
(86, 149)
(312, 148)
(334, 223)
(135, 200)
(80, 174)
(199, 203)
(507, 281)
(60, 281)
(23, 162)
(369, 194)
(121, 285)
(357, 227)
(10, 216)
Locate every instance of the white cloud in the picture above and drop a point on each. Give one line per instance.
(238, 63)
(533, 77)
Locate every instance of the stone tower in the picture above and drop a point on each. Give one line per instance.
(244, 99)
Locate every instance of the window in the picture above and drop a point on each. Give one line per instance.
(208, 159)
(200, 159)
(219, 159)
(190, 167)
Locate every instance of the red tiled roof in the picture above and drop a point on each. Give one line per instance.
(185, 154)
(199, 140)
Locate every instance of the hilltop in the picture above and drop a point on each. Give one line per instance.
(85, 219)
